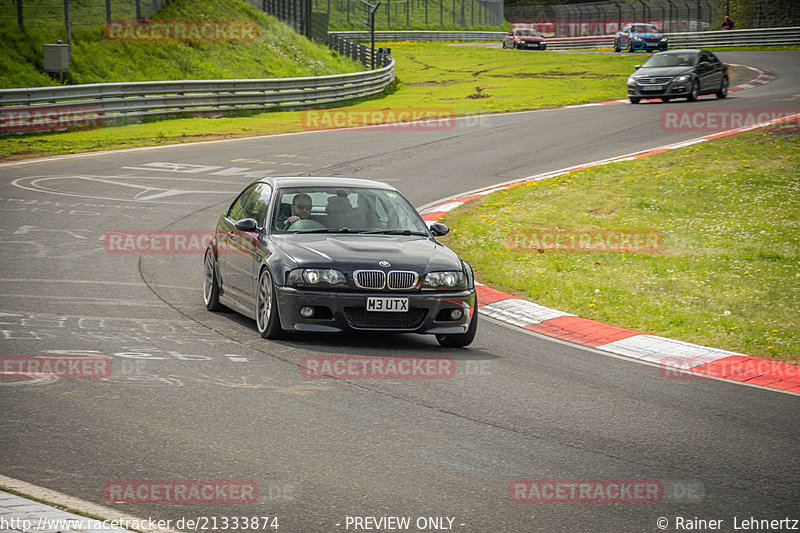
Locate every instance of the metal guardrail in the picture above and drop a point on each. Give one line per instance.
(701, 39)
(421, 35)
(170, 98)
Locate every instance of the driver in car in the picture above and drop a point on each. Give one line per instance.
(301, 209)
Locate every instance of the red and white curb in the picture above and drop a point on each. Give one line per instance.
(677, 359)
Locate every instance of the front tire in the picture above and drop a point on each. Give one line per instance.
(695, 92)
(616, 46)
(210, 283)
(459, 340)
(634, 99)
(723, 89)
(267, 320)
(630, 48)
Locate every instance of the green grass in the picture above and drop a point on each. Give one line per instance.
(442, 15)
(727, 275)
(278, 52)
(431, 76)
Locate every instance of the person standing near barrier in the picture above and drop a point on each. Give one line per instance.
(727, 24)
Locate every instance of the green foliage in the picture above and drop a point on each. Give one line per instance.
(391, 15)
(434, 79)
(278, 51)
(726, 276)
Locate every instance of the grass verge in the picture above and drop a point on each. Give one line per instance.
(432, 76)
(277, 52)
(727, 275)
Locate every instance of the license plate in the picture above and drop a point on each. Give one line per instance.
(387, 305)
(652, 87)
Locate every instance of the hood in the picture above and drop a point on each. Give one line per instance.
(529, 39)
(354, 252)
(650, 72)
(655, 36)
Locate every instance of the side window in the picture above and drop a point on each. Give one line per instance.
(237, 209)
(258, 202)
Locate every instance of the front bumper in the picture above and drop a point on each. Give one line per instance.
(669, 89)
(531, 46)
(645, 45)
(338, 311)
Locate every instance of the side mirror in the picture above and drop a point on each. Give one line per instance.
(439, 230)
(637, 67)
(247, 224)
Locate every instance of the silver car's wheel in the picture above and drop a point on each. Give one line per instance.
(267, 321)
(210, 283)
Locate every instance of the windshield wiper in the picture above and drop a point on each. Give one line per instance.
(319, 230)
(393, 232)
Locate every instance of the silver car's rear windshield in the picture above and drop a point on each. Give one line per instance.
(344, 209)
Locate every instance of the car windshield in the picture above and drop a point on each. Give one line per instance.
(526, 33)
(686, 59)
(345, 210)
(644, 28)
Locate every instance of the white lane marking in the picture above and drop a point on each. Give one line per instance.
(521, 312)
(52, 497)
(658, 349)
(93, 282)
(141, 193)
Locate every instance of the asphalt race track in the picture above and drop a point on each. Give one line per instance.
(199, 396)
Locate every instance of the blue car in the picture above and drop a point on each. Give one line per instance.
(634, 37)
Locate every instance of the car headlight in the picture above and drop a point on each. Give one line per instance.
(663, 39)
(445, 280)
(685, 77)
(637, 38)
(631, 81)
(315, 277)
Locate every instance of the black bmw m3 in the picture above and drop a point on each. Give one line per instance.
(325, 255)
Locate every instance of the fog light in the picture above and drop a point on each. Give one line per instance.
(456, 314)
(306, 312)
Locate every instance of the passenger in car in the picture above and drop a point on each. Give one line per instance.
(339, 211)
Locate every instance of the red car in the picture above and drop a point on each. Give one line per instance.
(524, 38)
